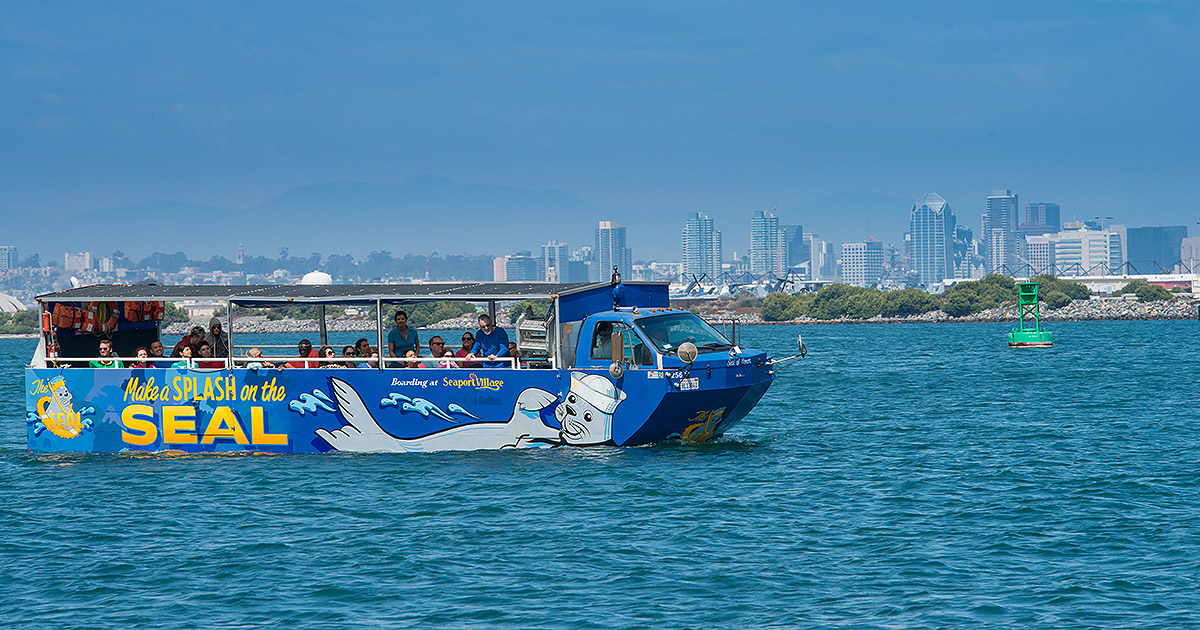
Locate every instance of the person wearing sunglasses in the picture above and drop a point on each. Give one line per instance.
(468, 342)
(304, 349)
(440, 357)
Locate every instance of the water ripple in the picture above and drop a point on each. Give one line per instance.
(900, 476)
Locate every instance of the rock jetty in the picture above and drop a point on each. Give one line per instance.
(1077, 311)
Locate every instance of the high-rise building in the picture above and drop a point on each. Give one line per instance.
(1189, 254)
(611, 251)
(1000, 231)
(964, 251)
(554, 262)
(522, 267)
(8, 257)
(1154, 249)
(931, 224)
(796, 255)
(77, 262)
(1044, 214)
(823, 259)
(1078, 251)
(701, 247)
(499, 269)
(767, 248)
(1038, 254)
(862, 263)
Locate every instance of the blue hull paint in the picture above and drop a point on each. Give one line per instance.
(322, 410)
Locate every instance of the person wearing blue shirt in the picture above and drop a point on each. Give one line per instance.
(403, 338)
(490, 342)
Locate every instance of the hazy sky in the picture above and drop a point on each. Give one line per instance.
(649, 105)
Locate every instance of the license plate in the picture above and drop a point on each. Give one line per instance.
(689, 384)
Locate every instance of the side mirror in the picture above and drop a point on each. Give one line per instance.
(618, 347)
(687, 352)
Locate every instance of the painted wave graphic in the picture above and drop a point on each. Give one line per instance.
(309, 403)
(424, 407)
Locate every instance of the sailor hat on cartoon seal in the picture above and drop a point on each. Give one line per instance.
(586, 412)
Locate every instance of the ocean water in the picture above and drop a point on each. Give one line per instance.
(901, 476)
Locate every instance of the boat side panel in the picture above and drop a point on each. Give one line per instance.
(290, 411)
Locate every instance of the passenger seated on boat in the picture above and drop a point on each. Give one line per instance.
(107, 358)
(468, 342)
(440, 357)
(410, 354)
(304, 349)
(205, 358)
(140, 354)
(513, 351)
(192, 339)
(348, 353)
(490, 342)
(185, 353)
(402, 338)
(362, 348)
(258, 363)
(373, 355)
(156, 352)
(218, 339)
(328, 354)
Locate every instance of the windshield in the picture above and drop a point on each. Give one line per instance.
(667, 332)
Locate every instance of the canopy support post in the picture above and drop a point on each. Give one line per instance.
(321, 315)
(379, 330)
(229, 332)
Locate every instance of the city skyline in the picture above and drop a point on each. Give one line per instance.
(643, 109)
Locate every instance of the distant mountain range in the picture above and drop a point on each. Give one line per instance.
(429, 214)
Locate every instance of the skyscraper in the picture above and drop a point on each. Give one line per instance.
(610, 251)
(1077, 250)
(1044, 214)
(701, 247)
(796, 254)
(931, 224)
(554, 262)
(862, 263)
(522, 267)
(767, 247)
(1000, 233)
(1153, 249)
(8, 257)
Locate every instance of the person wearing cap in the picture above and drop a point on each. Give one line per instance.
(217, 338)
(304, 349)
(192, 339)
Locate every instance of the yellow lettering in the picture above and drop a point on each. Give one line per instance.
(230, 389)
(249, 392)
(258, 430)
(224, 424)
(130, 388)
(178, 385)
(179, 418)
(138, 418)
(208, 389)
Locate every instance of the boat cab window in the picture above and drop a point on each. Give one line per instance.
(636, 351)
(667, 332)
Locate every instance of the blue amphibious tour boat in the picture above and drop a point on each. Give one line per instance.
(608, 363)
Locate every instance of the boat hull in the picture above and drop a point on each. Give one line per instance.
(368, 410)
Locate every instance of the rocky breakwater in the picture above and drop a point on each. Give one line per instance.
(1100, 310)
(1076, 311)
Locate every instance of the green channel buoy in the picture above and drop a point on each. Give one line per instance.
(1029, 332)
